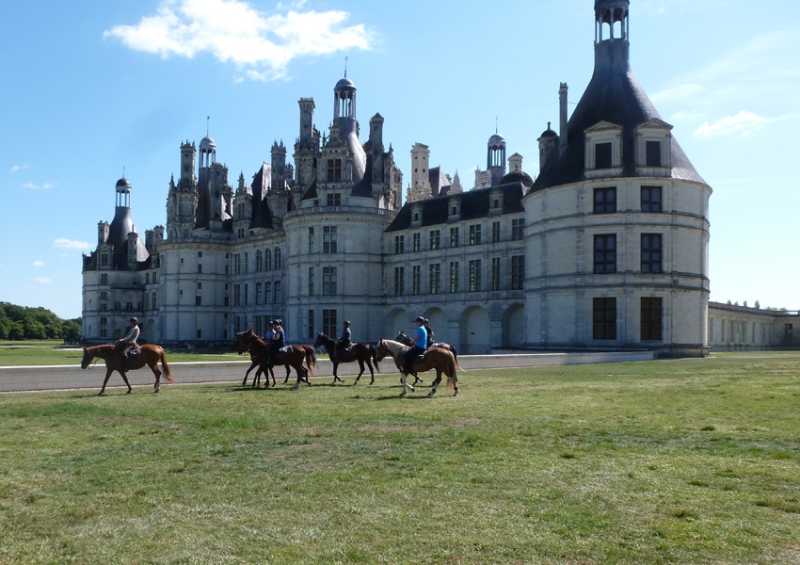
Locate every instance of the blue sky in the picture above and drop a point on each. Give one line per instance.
(103, 87)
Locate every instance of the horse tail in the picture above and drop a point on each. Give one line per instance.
(165, 366)
(452, 378)
(374, 351)
(455, 356)
(311, 361)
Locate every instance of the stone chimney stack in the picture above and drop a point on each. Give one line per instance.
(562, 109)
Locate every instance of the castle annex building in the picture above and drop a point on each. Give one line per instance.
(606, 248)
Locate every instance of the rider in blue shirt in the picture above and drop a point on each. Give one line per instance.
(420, 344)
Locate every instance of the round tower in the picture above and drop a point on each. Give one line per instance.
(613, 16)
(496, 158)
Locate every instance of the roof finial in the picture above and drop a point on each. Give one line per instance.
(495, 124)
(123, 171)
(345, 66)
(208, 119)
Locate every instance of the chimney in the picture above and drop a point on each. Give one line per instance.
(562, 108)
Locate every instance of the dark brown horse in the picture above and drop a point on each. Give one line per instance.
(434, 358)
(361, 352)
(149, 355)
(293, 356)
(311, 360)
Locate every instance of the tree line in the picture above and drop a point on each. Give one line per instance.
(23, 322)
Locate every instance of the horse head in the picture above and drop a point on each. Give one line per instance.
(381, 351)
(321, 340)
(87, 358)
(403, 338)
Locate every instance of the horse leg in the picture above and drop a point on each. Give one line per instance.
(335, 372)
(360, 366)
(436, 382)
(272, 372)
(109, 370)
(157, 373)
(371, 372)
(252, 365)
(125, 378)
(288, 372)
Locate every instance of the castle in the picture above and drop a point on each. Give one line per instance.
(606, 249)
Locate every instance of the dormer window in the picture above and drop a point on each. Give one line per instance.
(652, 149)
(602, 155)
(603, 152)
(454, 209)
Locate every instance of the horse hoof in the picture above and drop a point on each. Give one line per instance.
(431, 393)
(455, 393)
(129, 391)
(157, 390)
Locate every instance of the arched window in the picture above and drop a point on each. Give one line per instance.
(259, 261)
(268, 260)
(277, 258)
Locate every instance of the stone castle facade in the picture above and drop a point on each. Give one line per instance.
(606, 249)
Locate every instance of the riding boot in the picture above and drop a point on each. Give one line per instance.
(126, 364)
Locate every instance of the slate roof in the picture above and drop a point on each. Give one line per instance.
(613, 95)
(262, 215)
(118, 231)
(475, 204)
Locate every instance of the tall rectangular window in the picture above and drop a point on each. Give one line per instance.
(416, 280)
(495, 232)
(259, 325)
(435, 273)
(329, 239)
(399, 244)
(651, 253)
(311, 281)
(259, 261)
(517, 229)
(399, 281)
(335, 199)
(245, 295)
(246, 263)
(310, 324)
(267, 293)
(602, 155)
(475, 275)
(517, 272)
(416, 242)
(237, 264)
(605, 200)
(259, 293)
(436, 239)
(104, 279)
(651, 319)
(495, 273)
(653, 150)
(277, 258)
(651, 199)
(267, 260)
(454, 274)
(334, 170)
(277, 293)
(328, 281)
(237, 295)
(475, 234)
(453, 237)
(312, 245)
(329, 325)
(200, 267)
(605, 254)
(604, 318)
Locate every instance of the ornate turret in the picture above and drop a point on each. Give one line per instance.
(496, 157)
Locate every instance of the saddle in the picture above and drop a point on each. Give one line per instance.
(134, 352)
(285, 349)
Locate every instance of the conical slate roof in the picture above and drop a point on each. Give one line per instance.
(613, 95)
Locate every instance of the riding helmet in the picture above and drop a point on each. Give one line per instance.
(134, 320)
(420, 319)
(346, 323)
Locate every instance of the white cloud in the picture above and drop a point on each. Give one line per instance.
(261, 45)
(38, 264)
(15, 168)
(43, 186)
(62, 243)
(743, 122)
(43, 280)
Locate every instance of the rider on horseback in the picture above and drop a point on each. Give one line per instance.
(419, 346)
(127, 343)
(343, 343)
(430, 333)
(277, 341)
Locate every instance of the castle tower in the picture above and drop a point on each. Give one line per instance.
(344, 119)
(182, 197)
(120, 229)
(548, 146)
(420, 179)
(306, 149)
(376, 154)
(278, 162)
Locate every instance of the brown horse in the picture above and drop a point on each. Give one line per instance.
(295, 356)
(149, 355)
(311, 360)
(435, 358)
(408, 340)
(361, 352)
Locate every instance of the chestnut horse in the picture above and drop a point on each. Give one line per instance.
(361, 352)
(435, 358)
(294, 357)
(149, 355)
(408, 340)
(311, 359)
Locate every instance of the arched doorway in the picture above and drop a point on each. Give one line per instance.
(514, 326)
(475, 331)
(396, 320)
(438, 323)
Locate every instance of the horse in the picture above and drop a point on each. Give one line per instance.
(361, 352)
(255, 362)
(149, 355)
(408, 340)
(294, 357)
(435, 358)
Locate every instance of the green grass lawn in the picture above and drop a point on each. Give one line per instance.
(680, 461)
